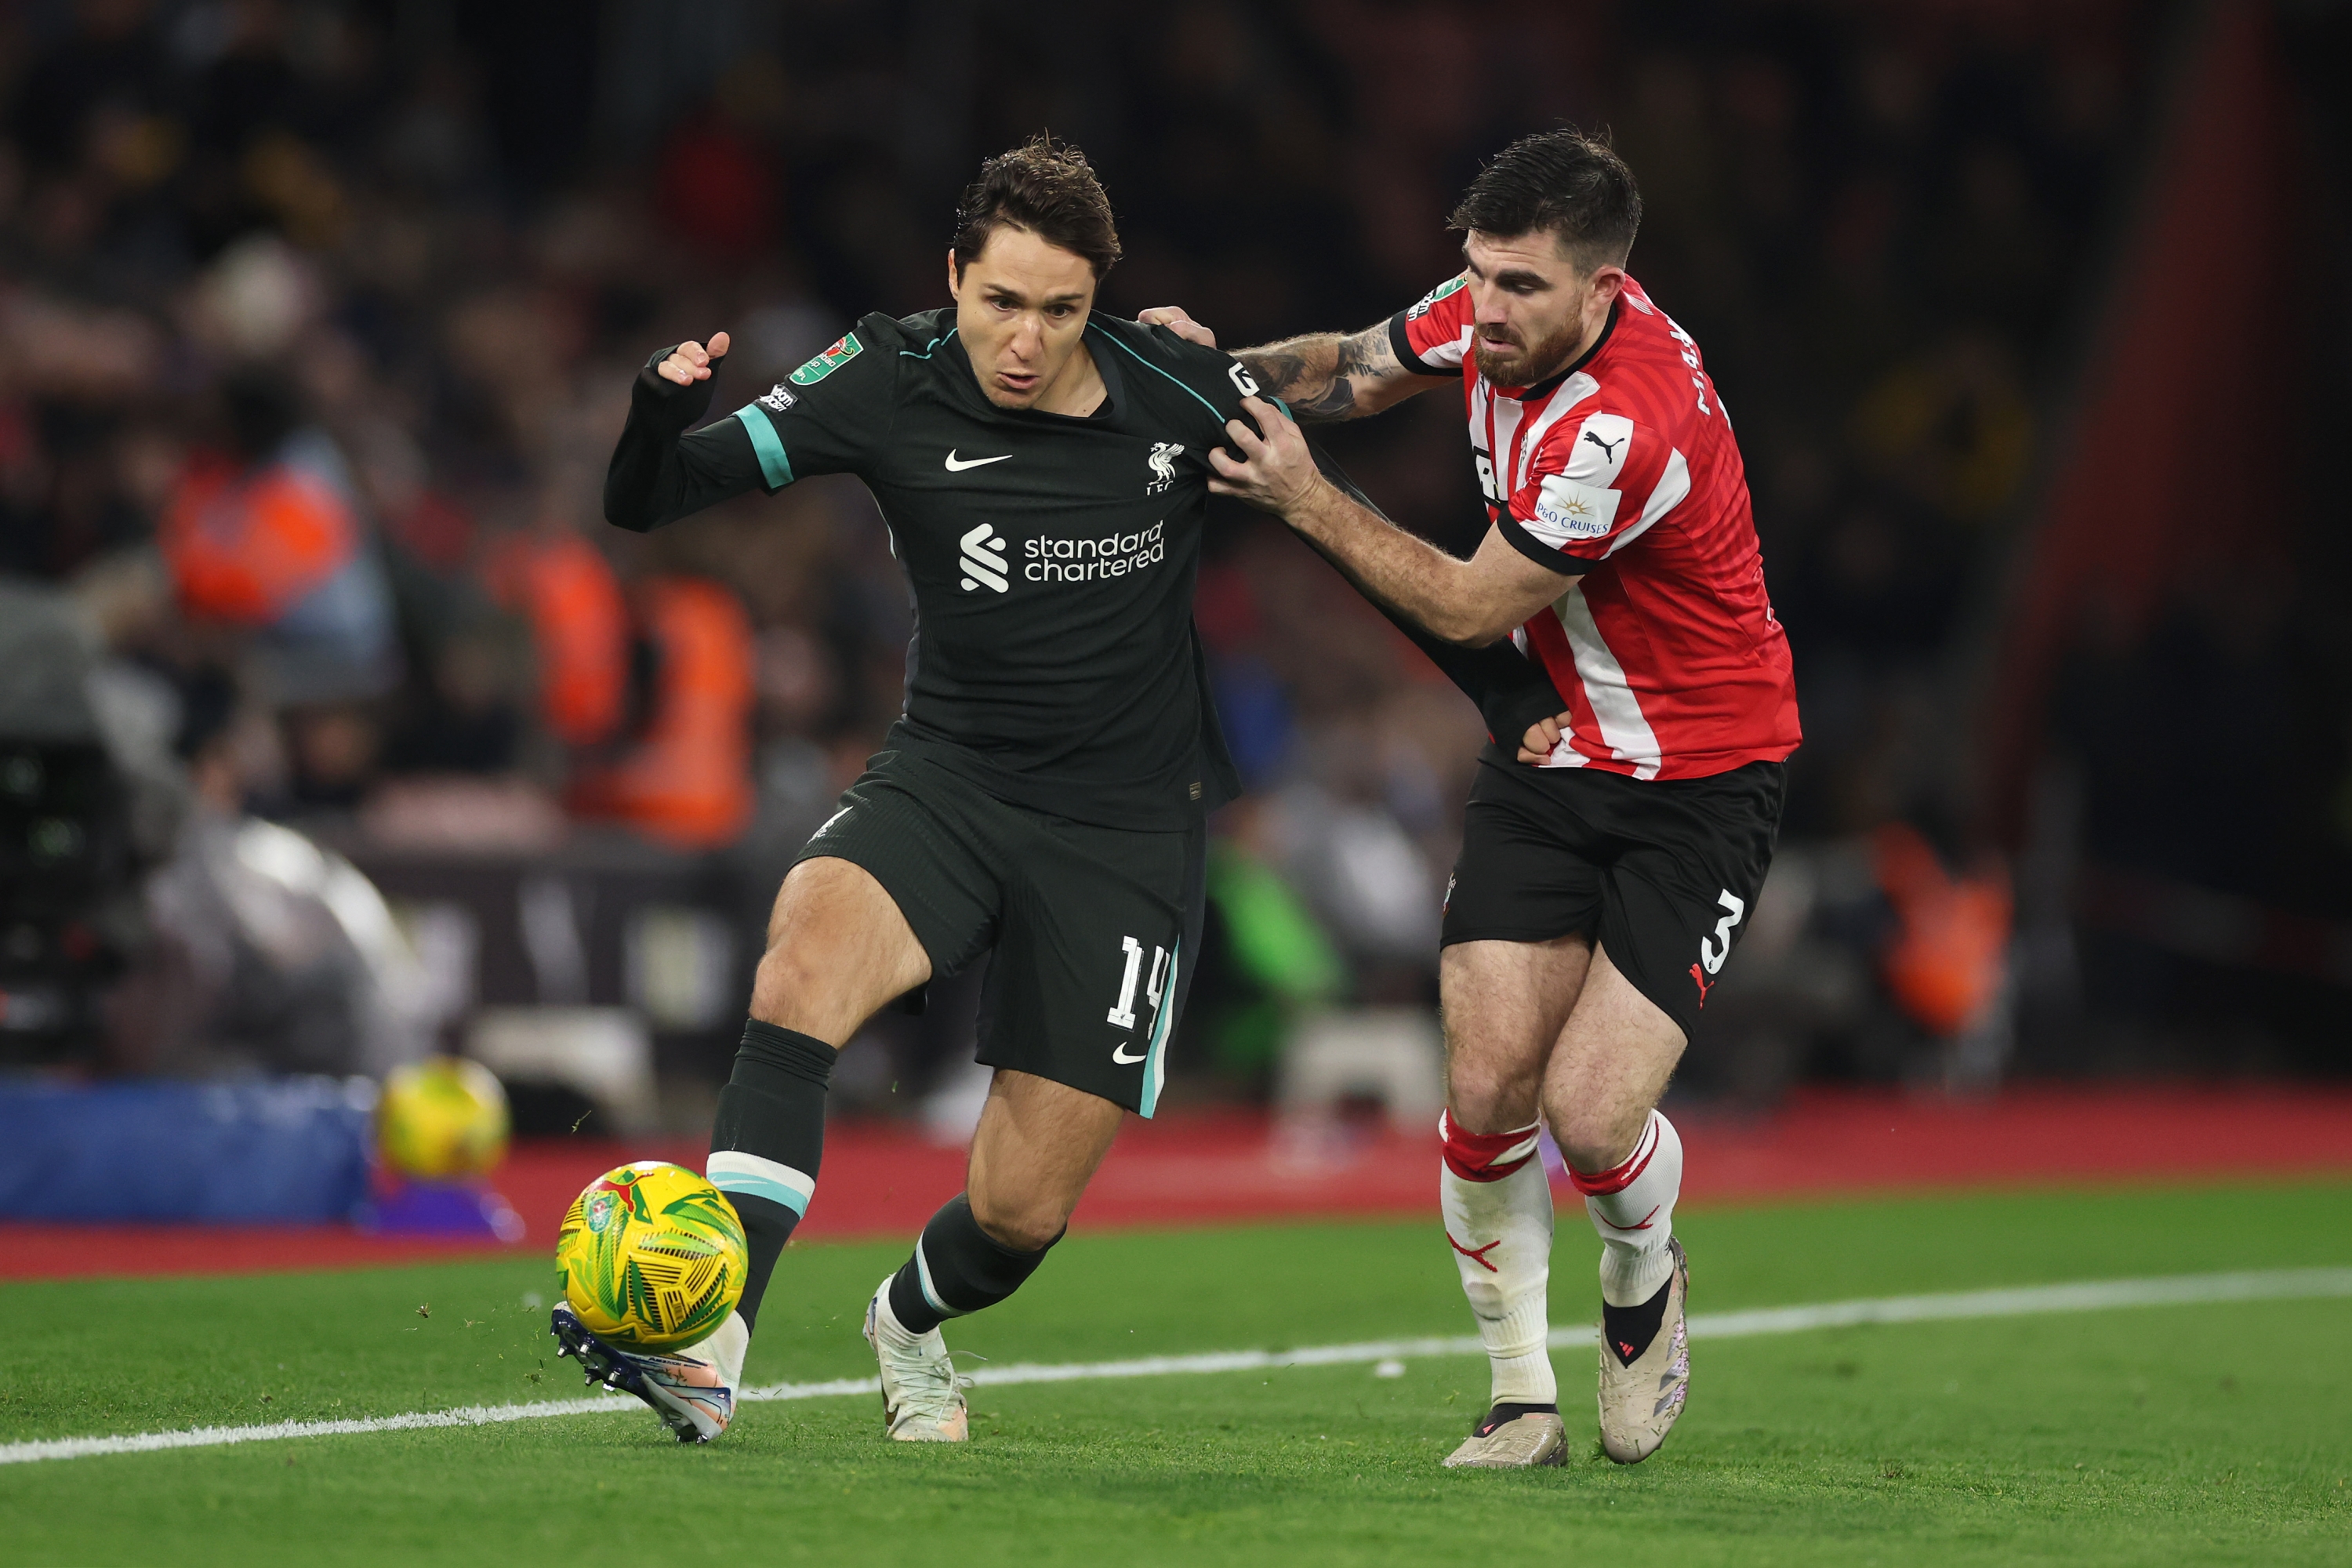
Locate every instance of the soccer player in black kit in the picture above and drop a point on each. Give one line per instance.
(1044, 473)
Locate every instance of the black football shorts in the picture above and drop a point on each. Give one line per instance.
(1661, 873)
(1094, 929)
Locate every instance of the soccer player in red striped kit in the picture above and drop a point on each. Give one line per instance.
(1609, 863)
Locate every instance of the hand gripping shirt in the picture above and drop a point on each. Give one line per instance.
(1051, 558)
(1621, 474)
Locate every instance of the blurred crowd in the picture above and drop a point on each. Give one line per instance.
(318, 318)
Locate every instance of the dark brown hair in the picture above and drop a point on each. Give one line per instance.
(1046, 188)
(1563, 183)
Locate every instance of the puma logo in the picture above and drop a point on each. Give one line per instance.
(1699, 977)
(1608, 449)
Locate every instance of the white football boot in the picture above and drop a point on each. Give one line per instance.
(922, 1397)
(692, 1390)
(1642, 1399)
(1513, 1438)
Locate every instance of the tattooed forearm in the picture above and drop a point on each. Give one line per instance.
(1299, 372)
(1329, 376)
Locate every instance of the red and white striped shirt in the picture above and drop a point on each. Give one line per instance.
(1621, 474)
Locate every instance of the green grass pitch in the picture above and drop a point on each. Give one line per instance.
(2169, 1436)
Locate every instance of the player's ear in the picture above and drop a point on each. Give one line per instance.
(955, 279)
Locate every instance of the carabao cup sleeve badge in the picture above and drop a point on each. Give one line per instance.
(831, 360)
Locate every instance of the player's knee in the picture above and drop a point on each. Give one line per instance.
(788, 988)
(1487, 1100)
(1593, 1138)
(1023, 1225)
(1024, 1230)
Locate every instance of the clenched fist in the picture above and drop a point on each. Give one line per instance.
(690, 361)
(1542, 735)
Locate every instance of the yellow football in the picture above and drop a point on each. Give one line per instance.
(442, 1119)
(651, 1256)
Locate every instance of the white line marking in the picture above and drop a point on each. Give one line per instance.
(2182, 1289)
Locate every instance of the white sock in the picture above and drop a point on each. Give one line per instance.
(886, 1321)
(1501, 1236)
(1633, 1207)
(725, 1349)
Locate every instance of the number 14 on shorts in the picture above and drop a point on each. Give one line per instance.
(1122, 1012)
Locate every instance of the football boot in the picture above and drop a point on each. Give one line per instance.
(1513, 1438)
(1646, 1367)
(922, 1397)
(692, 1390)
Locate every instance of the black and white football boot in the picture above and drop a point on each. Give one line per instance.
(692, 1390)
(1645, 1367)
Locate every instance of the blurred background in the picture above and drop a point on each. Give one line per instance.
(336, 726)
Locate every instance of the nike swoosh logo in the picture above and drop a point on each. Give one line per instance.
(956, 468)
(1118, 1053)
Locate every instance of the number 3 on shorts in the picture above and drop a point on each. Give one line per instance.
(1710, 954)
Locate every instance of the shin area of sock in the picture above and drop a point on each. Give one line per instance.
(1632, 1206)
(768, 1141)
(958, 1267)
(1519, 1354)
(1499, 1228)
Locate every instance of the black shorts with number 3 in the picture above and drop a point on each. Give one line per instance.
(1661, 873)
(1094, 929)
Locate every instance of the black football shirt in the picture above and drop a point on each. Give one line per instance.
(1051, 557)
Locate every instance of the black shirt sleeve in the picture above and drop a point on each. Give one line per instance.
(658, 472)
(833, 415)
(1512, 691)
(830, 416)
(1516, 536)
(1400, 341)
(1214, 382)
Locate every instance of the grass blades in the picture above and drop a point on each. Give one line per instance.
(2204, 1434)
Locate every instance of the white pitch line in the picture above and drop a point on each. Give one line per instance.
(2089, 1296)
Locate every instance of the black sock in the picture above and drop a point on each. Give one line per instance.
(957, 1268)
(1504, 1414)
(768, 1141)
(1627, 1330)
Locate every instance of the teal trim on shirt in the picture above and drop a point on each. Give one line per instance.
(775, 468)
(1112, 338)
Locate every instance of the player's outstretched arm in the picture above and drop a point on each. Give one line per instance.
(660, 473)
(1335, 375)
(1471, 602)
(1324, 376)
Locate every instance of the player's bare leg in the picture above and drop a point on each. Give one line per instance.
(839, 951)
(1600, 1093)
(1506, 1004)
(1037, 1146)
